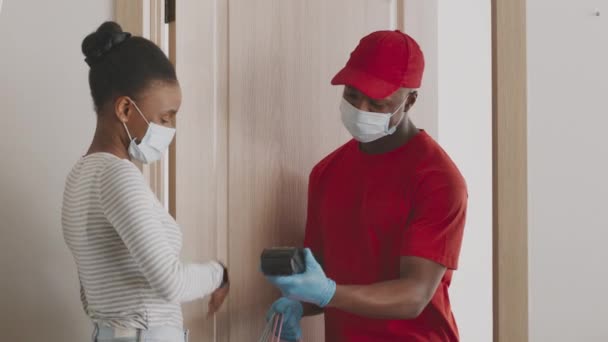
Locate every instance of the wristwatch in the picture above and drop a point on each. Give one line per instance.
(225, 280)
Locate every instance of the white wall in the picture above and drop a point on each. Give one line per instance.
(465, 132)
(421, 23)
(47, 121)
(456, 38)
(567, 170)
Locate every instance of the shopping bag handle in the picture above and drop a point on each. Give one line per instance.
(273, 329)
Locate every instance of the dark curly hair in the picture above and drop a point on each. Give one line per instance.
(122, 65)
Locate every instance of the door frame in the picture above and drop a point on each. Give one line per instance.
(510, 188)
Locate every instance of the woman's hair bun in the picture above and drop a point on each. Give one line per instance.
(102, 41)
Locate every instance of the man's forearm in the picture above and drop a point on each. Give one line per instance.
(397, 299)
(311, 309)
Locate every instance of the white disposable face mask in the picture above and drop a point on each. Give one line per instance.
(368, 126)
(154, 143)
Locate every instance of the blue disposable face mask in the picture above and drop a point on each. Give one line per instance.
(154, 143)
(368, 126)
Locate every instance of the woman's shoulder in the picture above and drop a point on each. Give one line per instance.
(108, 166)
(117, 177)
(117, 168)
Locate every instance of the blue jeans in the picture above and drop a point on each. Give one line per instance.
(158, 334)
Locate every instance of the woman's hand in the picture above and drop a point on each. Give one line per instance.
(217, 299)
(219, 295)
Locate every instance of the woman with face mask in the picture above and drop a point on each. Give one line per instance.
(125, 244)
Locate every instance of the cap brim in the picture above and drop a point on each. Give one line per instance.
(367, 84)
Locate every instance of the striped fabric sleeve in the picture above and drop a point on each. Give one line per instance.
(129, 207)
(83, 299)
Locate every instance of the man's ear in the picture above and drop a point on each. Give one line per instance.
(122, 109)
(411, 100)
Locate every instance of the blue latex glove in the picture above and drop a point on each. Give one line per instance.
(311, 286)
(292, 314)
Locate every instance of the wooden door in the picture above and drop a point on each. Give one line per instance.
(283, 118)
(258, 112)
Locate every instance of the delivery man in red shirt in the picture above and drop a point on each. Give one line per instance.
(386, 213)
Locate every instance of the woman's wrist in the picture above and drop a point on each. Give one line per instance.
(225, 279)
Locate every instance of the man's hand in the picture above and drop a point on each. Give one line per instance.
(291, 311)
(312, 286)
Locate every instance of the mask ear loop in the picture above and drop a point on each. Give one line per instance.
(140, 113)
(388, 128)
(126, 129)
(413, 92)
(139, 110)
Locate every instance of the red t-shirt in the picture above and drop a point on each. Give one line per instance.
(366, 211)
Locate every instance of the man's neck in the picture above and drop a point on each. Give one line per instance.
(402, 135)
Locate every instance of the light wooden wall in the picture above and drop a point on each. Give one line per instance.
(130, 15)
(258, 113)
(283, 118)
(201, 144)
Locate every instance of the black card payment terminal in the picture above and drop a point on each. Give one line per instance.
(283, 261)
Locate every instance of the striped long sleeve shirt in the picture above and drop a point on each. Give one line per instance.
(127, 248)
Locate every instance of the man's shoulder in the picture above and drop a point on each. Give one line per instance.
(436, 166)
(331, 159)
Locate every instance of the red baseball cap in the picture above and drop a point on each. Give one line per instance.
(383, 62)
